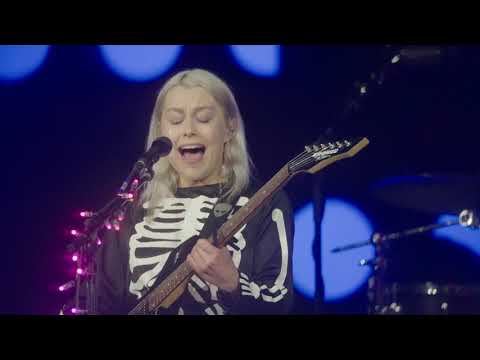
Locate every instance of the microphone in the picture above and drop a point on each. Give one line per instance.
(160, 147)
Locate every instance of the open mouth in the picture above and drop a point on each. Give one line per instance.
(192, 153)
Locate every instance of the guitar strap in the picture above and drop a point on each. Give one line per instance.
(216, 218)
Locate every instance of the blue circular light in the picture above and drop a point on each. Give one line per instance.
(19, 61)
(459, 235)
(342, 224)
(260, 60)
(140, 62)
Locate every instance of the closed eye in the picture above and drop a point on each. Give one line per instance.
(174, 116)
(204, 119)
(174, 119)
(204, 115)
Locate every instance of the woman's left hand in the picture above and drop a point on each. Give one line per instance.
(214, 265)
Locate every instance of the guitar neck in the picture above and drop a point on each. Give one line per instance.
(230, 227)
(154, 299)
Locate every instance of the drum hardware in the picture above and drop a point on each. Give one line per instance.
(386, 299)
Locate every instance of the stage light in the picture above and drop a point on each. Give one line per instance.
(342, 224)
(140, 63)
(20, 61)
(460, 235)
(260, 60)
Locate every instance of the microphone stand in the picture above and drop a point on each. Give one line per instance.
(87, 242)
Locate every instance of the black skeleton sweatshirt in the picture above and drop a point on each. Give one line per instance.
(131, 259)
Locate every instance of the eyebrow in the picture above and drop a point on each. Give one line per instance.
(174, 109)
(200, 108)
(197, 109)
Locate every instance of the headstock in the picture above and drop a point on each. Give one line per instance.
(319, 155)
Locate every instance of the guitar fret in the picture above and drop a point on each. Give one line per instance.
(241, 216)
(170, 284)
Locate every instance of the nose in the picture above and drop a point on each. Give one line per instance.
(189, 127)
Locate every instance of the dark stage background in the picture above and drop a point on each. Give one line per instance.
(71, 132)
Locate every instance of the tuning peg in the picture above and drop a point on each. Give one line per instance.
(308, 148)
(331, 145)
(315, 147)
(347, 143)
(339, 144)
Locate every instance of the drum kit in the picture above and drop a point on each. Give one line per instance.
(437, 195)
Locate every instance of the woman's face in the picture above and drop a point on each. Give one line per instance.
(196, 125)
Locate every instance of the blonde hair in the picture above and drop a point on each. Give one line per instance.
(237, 164)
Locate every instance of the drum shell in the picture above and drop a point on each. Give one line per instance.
(430, 298)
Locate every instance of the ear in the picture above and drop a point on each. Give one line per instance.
(231, 129)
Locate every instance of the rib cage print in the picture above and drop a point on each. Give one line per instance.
(165, 227)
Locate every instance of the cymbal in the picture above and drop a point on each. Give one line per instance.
(434, 194)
